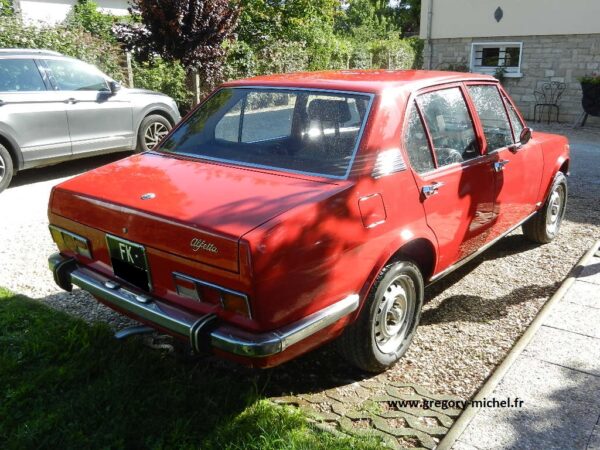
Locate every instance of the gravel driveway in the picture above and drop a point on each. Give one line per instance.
(470, 321)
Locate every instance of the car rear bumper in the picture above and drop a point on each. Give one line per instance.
(203, 332)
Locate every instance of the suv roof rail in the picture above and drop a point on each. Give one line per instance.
(28, 51)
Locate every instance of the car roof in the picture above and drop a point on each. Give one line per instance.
(27, 52)
(373, 81)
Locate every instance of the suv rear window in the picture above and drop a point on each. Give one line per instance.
(313, 132)
(20, 75)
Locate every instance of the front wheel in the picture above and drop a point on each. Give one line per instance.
(152, 129)
(544, 226)
(6, 168)
(387, 323)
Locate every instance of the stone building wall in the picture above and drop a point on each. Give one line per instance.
(544, 58)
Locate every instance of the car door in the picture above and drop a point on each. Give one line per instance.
(33, 116)
(518, 168)
(98, 119)
(455, 179)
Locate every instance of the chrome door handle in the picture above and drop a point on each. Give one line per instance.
(499, 165)
(431, 189)
(71, 101)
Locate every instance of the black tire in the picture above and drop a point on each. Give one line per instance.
(545, 225)
(148, 133)
(372, 346)
(6, 168)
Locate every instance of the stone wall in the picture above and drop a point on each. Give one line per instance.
(545, 58)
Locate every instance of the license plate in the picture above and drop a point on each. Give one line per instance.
(129, 261)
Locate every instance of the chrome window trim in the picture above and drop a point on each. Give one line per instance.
(359, 137)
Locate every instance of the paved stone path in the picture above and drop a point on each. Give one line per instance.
(558, 378)
(368, 407)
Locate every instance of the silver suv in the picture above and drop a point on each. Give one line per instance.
(54, 108)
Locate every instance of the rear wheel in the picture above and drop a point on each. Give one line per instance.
(388, 321)
(545, 225)
(6, 168)
(152, 129)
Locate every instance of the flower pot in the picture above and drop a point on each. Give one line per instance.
(591, 98)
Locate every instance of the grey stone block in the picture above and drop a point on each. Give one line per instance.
(584, 293)
(560, 408)
(576, 318)
(591, 272)
(594, 442)
(566, 349)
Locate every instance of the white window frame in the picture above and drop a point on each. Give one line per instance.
(511, 72)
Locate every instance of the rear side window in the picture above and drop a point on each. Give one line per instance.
(450, 125)
(20, 75)
(415, 141)
(492, 114)
(76, 76)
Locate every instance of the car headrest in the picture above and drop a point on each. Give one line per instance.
(336, 111)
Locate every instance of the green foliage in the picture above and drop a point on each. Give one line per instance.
(393, 53)
(590, 79)
(162, 76)
(85, 15)
(66, 384)
(6, 8)
(74, 42)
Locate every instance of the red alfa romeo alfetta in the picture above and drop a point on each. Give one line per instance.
(289, 210)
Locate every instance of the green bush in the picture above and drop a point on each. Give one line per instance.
(6, 8)
(74, 42)
(162, 76)
(241, 61)
(393, 53)
(84, 14)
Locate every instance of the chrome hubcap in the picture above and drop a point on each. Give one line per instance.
(392, 316)
(2, 168)
(154, 133)
(555, 206)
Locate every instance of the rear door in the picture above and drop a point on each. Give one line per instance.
(32, 115)
(455, 179)
(518, 168)
(98, 120)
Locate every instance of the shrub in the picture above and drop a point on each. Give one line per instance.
(85, 15)
(6, 8)
(393, 53)
(74, 42)
(590, 79)
(163, 76)
(241, 61)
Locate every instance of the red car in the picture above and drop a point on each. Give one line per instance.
(289, 210)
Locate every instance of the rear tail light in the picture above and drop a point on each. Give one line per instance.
(73, 242)
(205, 292)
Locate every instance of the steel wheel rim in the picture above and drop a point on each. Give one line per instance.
(2, 168)
(154, 133)
(555, 209)
(392, 317)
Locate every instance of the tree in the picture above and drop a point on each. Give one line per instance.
(408, 15)
(189, 31)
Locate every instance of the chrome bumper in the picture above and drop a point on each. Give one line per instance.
(202, 331)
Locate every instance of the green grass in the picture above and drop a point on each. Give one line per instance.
(66, 384)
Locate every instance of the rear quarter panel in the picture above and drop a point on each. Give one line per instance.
(556, 154)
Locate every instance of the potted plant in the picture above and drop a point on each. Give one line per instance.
(590, 87)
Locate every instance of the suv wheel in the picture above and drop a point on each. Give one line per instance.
(544, 226)
(387, 322)
(6, 168)
(152, 129)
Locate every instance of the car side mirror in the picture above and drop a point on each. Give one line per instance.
(525, 135)
(114, 86)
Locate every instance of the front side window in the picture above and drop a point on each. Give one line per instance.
(76, 76)
(313, 132)
(492, 114)
(20, 75)
(450, 125)
(415, 141)
(515, 121)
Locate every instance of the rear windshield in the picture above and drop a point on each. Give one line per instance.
(314, 132)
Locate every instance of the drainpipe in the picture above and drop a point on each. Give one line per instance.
(429, 40)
